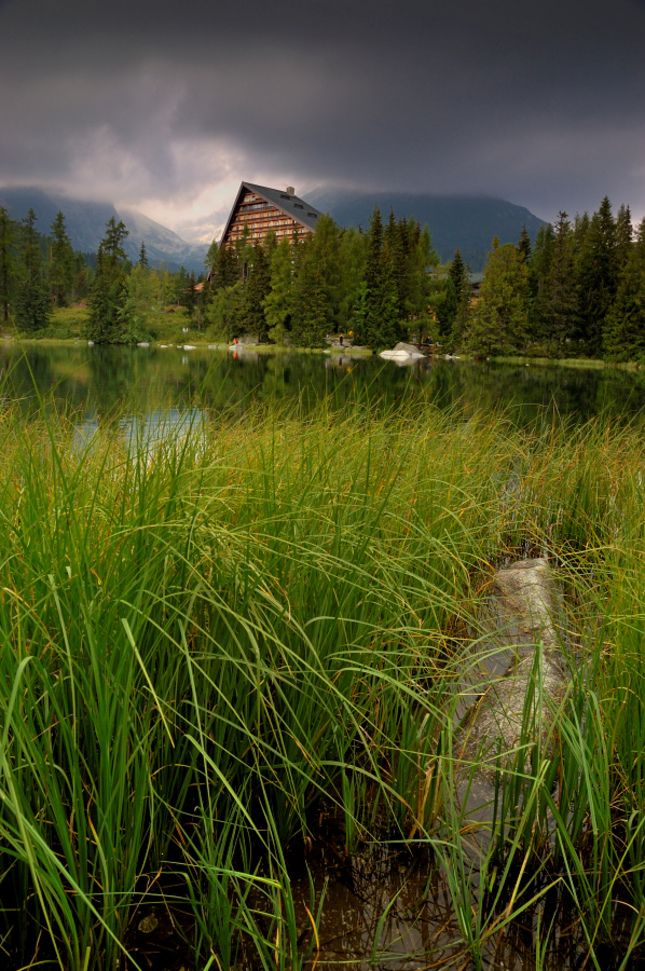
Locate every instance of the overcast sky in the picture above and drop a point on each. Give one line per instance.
(167, 106)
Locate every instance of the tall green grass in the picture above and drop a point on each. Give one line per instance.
(208, 636)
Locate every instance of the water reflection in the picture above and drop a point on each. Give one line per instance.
(148, 430)
(100, 382)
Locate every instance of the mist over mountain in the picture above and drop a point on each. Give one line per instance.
(464, 222)
(467, 223)
(86, 223)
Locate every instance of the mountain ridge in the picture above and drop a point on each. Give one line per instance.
(86, 221)
(464, 222)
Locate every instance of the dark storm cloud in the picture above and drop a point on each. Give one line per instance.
(540, 103)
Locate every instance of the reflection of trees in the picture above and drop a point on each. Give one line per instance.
(24, 375)
(104, 380)
(34, 374)
(529, 393)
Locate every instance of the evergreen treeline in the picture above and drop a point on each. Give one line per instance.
(375, 285)
(578, 289)
(38, 272)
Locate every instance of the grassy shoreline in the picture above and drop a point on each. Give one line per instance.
(75, 320)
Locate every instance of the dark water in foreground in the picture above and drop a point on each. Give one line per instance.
(99, 381)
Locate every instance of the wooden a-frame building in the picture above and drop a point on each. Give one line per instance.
(266, 210)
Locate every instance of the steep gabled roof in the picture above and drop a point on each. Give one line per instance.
(292, 206)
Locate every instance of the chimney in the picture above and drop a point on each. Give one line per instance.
(290, 190)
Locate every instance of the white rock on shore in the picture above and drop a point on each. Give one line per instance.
(402, 351)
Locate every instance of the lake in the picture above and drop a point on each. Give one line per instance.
(97, 382)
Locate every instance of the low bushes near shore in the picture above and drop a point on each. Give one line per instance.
(211, 635)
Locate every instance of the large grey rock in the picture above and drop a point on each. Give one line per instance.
(524, 635)
(402, 351)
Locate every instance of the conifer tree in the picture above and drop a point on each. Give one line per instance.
(456, 291)
(556, 303)
(62, 263)
(82, 277)
(464, 309)
(204, 298)
(143, 256)
(8, 233)
(189, 296)
(422, 260)
(624, 330)
(367, 327)
(352, 272)
(109, 321)
(381, 325)
(316, 286)
(524, 245)
(258, 284)
(539, 268)
(598, 277)
(225, 270)
(581, 225)
(624, 236)
(499, 323)
(278, 300)
(33, 306)
(396, 251)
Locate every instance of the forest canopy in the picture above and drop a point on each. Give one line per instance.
(576, 290)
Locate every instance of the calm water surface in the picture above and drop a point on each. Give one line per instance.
(99, 381)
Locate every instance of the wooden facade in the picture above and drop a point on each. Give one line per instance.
(265, 210)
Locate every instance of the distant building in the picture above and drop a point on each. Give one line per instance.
(266, 210)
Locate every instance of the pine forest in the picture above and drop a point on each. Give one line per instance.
(577, 290)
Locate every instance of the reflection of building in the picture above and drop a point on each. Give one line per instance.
(264, 210)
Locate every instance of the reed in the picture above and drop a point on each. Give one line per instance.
(209, 633)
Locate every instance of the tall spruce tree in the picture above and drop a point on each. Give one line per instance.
(422, 260)
(109, 320)
(368, 322)
(32, 305)
(366, 319)
(396, 252)
(278, 300)
(456, 291)
(557, 301)
(258, 284)
(62, 263)
(211, 259)
(597, 278)
(624, 329)
(524, 245)
(316, 286)
(624, 236)
(539, 269)
(8, 236)
(499, 323)
(352, 272)
(380, 325)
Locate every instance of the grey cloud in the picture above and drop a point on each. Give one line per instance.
(540, 102)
